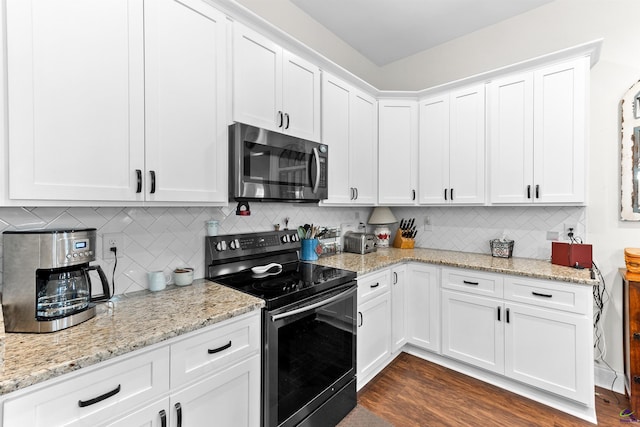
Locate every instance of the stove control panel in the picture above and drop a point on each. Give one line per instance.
(237, 245)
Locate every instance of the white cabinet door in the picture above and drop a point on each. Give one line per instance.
(186, 127)
(257, 79)
(434, 150)
(397, 152)
(466, 145)
(363, 148)
(452, 148)
(510, 122)
(374, 336)
(549, 349)
(300, 97)
(273, 88)
(423, 306)
(154, 415)
(231, 398)
(75, 99)
(399, 315)
(559, 132)
(472, 330)
(336, 133)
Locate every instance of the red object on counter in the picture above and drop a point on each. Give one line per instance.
(571, 254)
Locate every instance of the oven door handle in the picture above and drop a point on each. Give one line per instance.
(313, 306)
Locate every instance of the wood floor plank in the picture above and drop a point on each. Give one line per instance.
(414, 392)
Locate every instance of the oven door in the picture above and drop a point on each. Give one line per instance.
(309, 356)
(271, 166)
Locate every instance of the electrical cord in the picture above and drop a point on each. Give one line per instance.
(113, 274)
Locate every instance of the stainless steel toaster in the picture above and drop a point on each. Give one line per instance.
(359, 243)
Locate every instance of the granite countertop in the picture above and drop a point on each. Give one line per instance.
(385, 257)
(126, 323)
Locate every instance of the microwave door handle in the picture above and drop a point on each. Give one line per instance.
(316, 183)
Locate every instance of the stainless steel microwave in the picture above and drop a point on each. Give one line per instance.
(271, 166)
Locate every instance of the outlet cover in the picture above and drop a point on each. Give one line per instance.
(112, 240)
(553, 235)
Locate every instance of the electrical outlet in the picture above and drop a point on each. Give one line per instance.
(112, 240)
(569, 226)
(427, 223)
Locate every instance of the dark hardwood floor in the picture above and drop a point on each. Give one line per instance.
(414, 392)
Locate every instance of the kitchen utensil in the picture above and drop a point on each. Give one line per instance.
(308, 250)
(269, 268)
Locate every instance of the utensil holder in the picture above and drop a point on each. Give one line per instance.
(403, 242)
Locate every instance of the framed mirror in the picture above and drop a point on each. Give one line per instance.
(630, 155)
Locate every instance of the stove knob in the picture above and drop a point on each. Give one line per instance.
(285, 239)
(234, 244)
(295, 238)
(221, 246)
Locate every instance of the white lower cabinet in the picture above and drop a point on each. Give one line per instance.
(545, 343)
(374, 325)
(140, 389)
(399, 303)
(423, 306)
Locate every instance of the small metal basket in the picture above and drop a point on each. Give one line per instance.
(501, 248)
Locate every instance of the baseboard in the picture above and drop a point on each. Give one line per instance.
(606, 378)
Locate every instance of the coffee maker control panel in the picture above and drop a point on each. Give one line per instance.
(79, 250)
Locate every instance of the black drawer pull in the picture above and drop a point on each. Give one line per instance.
(498, 313)
(178, 407)
(219, 349)
(84, 403)
(528, 191)
(361, 319)
(163, 418)
(538, 294)
(153, 181)
(466, 282)
(445, 194)
(376, 285)
(507, 315)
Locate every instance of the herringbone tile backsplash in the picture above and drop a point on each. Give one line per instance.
(164, 238)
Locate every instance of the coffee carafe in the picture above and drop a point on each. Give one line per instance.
(47, 284)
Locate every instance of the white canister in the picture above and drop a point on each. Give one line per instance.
(212, 228)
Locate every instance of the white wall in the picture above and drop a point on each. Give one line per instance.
(552, 27)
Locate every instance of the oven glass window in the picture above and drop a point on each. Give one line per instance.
(313, 353)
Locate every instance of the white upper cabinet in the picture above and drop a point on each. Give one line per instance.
(537, 135)
(452, 147)
(397, 152)
(273, 88)
(136, 116)
(349, 128)
(75, 99)
(186, 126)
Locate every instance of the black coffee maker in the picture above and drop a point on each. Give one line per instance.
(47, 286)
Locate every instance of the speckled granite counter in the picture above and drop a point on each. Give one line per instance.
(385, 257)
(127, 323)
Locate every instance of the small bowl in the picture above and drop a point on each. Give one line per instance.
(183, 276)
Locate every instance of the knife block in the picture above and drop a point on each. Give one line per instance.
(403, 242)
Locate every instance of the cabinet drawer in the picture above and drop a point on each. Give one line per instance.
(543, 293)
(473, 282)
(373, 284)
(104, 391)
(214, 348)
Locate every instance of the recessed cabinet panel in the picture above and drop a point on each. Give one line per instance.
(559, 131)
(398, 143)
(75, 99)
(423, 306)
(511, 135)
(186, 129)
(434, 150)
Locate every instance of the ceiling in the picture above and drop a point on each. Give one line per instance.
(388, 30)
